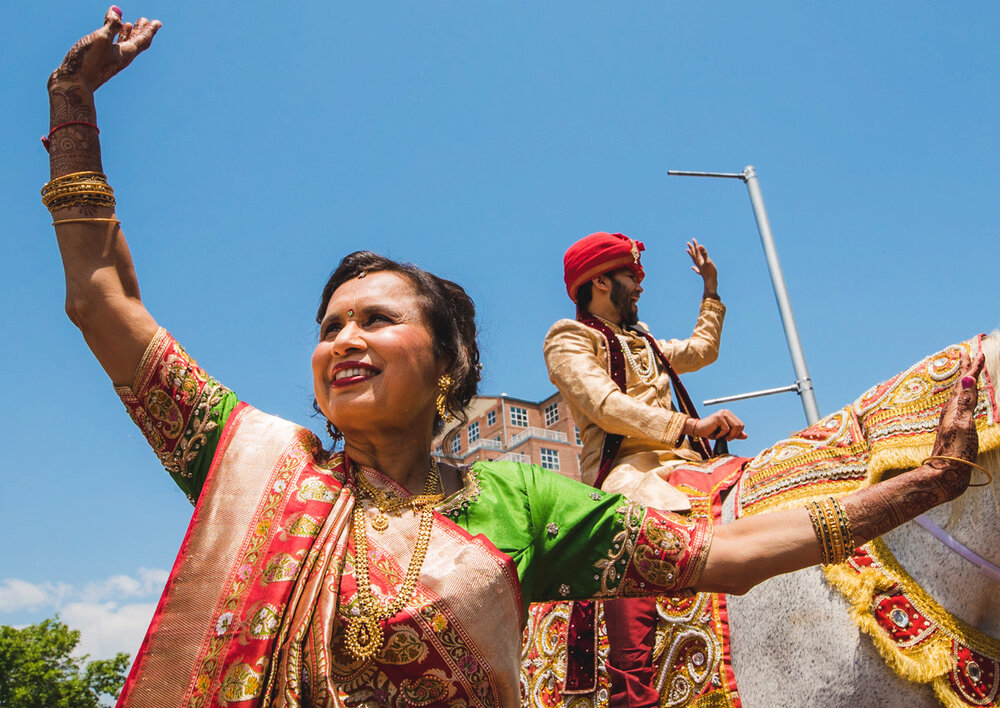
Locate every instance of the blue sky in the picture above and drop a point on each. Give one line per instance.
(255, 144)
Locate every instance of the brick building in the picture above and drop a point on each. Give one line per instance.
(505, 428)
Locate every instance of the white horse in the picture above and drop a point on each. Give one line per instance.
(795, 643)
(794, 640)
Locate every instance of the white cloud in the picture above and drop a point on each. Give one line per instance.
(108, 628)
(18, 594)
(112, 614)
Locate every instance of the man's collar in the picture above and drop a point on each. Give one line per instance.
(613, 326)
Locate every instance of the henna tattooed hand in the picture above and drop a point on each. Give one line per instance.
(956, 432)
(97, 57)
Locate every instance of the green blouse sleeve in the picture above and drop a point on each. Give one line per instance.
(180, 409)
(571, 541)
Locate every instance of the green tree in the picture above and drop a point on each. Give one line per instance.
(37, 670)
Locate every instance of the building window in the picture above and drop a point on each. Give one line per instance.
(491, 418)
(550, 459)
(551, 413)
(576, 429)
(519, 416)
(456, 445)
(473, 432)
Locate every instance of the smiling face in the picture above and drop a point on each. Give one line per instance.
(374, 368)
(625, 292)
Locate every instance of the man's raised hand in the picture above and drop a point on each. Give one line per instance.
(704, 266)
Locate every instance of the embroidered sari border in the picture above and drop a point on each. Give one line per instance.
(186, 649)
(137, 689)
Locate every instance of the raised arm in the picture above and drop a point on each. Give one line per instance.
(753, 549)
(102, 293)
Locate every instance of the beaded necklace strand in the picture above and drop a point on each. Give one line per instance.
(647, 374)
(365, 636)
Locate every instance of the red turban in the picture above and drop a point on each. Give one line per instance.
(597, 254)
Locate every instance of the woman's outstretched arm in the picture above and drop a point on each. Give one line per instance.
(102, 293)
(753, 549)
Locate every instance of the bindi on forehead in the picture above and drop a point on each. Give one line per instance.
(381, 291)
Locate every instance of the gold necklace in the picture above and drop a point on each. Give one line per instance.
(385, 501)
(365, 636)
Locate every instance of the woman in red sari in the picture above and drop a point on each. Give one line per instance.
(373, 576)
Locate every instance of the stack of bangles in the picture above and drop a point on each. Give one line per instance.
(833, 529)
(79, 189)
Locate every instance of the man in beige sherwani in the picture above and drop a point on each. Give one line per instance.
(632, 434)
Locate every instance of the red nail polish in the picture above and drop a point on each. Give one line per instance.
(968, 382)
(118, 10)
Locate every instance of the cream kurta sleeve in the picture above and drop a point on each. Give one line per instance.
(577, 364)
(702, 347)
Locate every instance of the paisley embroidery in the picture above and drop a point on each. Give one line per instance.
(280, 568)
(243, 682)
(654, 569)
(263, 622)
(314, 489)
(303, 526)
(432, 687)
(403, 647)
(166, 413)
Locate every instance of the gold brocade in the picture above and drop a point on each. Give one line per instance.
(891, 427)
(928, 657)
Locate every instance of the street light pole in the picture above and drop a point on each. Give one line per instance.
(803, 384)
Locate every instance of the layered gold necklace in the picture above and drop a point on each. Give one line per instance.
(365, 636)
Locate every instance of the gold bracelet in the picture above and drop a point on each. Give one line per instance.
(86, 218)
(77, 175)
(78, 200)
(819, 528)
(833, 530)
(78, 189)
(73, 178)
(989, 477)
(847, 546)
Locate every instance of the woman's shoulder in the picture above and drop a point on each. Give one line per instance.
(530, 478)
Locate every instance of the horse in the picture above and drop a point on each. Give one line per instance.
(906, 622)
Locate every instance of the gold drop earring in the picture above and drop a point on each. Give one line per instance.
(445, 384)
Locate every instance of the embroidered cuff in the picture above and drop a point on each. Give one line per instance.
(172, 400)
(143, 370)
(674, 433)
(711, 303)
(669, 557)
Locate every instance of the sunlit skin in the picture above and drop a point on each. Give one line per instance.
(375, 375)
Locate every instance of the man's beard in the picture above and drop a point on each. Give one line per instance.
(621, 300)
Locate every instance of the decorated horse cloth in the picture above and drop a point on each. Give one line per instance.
(691, 651)
(263, 592)
(890, 427)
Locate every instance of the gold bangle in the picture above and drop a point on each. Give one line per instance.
(847, 546)
(86, 218)
(77, 175)
(78, 189)
(83, 188)
(833, 530)
(989, 477)
(80, 199)
(819, 528)
(73, 178)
